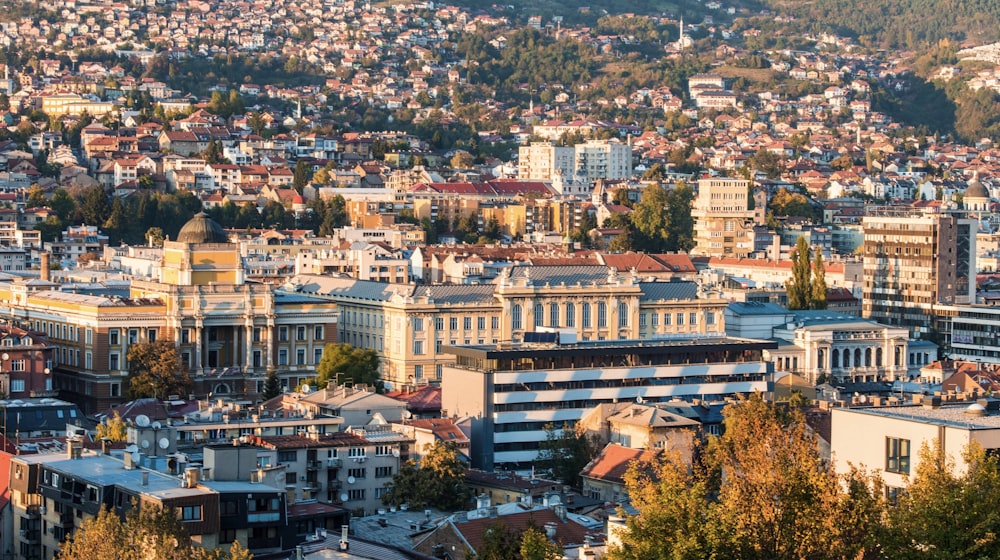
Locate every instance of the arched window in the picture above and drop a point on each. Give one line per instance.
(857, 357)
(868, 357)
(602, 314)
(878, 357)
(585, 309)
(570, 315)
(847, 358)
(515, 317)
(553, 314)
(539, 315)
(835, 356)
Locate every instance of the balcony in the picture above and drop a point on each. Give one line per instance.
(312, 465)
(66, 520)
(31, 536)
(34, 511)
(334, 463)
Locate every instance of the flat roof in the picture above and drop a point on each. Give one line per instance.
(948, 414)
(106, 470)
(605, 347)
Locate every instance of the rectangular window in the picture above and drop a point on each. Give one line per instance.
(113, 364)
(654, 320)
(453, 323)
(418, 324)
(481, 323)
(642, 320)
(256, 334)
(358, 494)
(151, 335)
(88, 360)
(467, 323)
(692, 318)
(666, 319)
(439, 323)
(383, 472)
(418, 372)
(300, 357)
(185, 336)
(288, 456)
(357, 473)
(494, 323)
(317, 355)
(418, 346)
(680, 319)
(283, 334)
(709, 318)
(113, 339)
(89, 336)
(17, 365)
(897, 455)
(283, 357)
(318, 333)
(191, 513)
(16, 385)
(300, 333)
(133, 336)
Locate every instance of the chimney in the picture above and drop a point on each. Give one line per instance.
(145, 478)
(105, 446)
(344, 544)
(43, 266)
(550, 531)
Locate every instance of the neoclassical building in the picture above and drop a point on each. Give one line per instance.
(407, 325)
(228, 331)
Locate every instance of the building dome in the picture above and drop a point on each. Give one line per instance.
(976, 189)
(202, 229)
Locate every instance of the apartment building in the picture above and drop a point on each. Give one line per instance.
(916, 258)
(724, 219)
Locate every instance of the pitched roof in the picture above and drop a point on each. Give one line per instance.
(614, 461)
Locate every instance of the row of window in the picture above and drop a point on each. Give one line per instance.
(569, 315)
(418, 323)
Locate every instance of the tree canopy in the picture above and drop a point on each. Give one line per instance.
(355, 365)
(807, 287)
(438, 481)
(155, 370)
(564, 453)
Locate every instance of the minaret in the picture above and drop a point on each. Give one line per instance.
(680, 37)
(298, 109)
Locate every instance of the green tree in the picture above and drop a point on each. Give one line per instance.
(438, 481)
(500, 542)
(155, 370)
(355, 365)
(799, 288)
(36, 197)
(817, 298)
(651, 219)
(536, 546)
(680, 228)
(95, 207)
(946, 515)
(63, 204)
(565, 452)
(154, 236)
(272, 385)
(301, 176)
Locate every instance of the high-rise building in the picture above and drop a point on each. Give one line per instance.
(583, 163)
(724, 218)
(915, 258)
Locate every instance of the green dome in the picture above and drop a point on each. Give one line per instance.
(202, 229)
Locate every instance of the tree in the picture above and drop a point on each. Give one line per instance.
(565, 452)
(438, 481)
(817, 298)
(36, 197)
(462, 160)
(651, 219)
(63, 204)
(800, 286)
(301, 176)
(154, 237)
(500, 542)
(113, 428)
(759, 491)
(680, 225)
(155, 370)
(95, 207)
(272, 385)
(354, 365)
(146, 534)
(945, 515)
(536, 546)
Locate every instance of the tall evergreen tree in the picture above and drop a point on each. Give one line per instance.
(817, 299)
(799, 288)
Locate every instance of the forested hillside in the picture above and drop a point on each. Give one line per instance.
(898, 24)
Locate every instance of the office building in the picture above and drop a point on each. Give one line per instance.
(915, 258)
(724, 218)
(513, 391)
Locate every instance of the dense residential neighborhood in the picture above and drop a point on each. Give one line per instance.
(345, 279)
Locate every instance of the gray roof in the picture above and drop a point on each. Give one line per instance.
(756, 308)
(349, 288)
(652, 291)
(569, 275)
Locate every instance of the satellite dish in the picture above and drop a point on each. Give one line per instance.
(145, 444)
(5, 356)
(306, 389)
(395, 453)
(639, 399)
(164, 443)
(156, 425)
(407, 414)
(343, 497)
(351, 480)
(136, 456)
(133, 448)
(142, 421)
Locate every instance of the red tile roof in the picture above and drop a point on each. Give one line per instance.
(614, 461)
